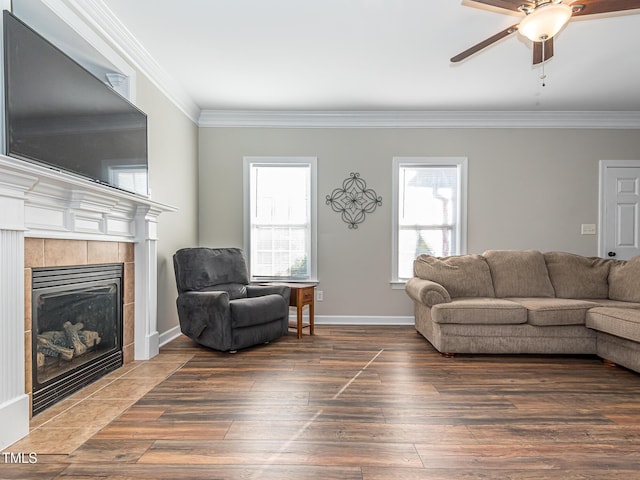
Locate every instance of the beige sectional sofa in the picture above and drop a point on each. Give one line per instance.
(526, 301)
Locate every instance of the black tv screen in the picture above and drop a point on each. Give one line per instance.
(60, 115)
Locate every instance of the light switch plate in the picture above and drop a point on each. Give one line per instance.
(588, 229)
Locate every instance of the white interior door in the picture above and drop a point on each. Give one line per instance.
(619, 209)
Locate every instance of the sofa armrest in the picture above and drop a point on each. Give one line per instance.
(427, 292)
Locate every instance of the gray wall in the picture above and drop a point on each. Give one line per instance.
(173, 173)
(528, 188)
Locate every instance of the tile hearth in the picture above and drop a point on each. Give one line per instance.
(62, 428)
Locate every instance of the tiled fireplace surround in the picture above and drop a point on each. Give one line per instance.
(52, 252)
(49, 218)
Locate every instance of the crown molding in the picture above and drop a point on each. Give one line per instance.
(419, 119)
(98, 15)
(101, 18)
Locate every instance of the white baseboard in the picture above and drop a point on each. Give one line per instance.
(357, 320)
(169, 335)
(14, 418)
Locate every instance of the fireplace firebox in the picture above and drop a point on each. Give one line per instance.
(77, 328)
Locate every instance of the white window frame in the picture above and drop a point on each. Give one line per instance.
(461, 238)
(311, 162)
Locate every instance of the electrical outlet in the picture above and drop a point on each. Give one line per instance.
(319, 295)
(588, 229)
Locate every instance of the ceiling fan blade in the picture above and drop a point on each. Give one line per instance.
(591, 7)
(506, 4)
(537, 51)
(485, 43)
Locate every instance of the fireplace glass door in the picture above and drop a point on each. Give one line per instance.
(77, 328)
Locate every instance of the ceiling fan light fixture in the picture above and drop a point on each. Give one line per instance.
(545, 21)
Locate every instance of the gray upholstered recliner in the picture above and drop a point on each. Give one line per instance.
(218, 308)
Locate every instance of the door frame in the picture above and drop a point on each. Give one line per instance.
(603, 165)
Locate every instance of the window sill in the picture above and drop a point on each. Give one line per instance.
(283, 280)
(397, 284)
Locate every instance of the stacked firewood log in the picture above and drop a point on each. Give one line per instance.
(70, 342)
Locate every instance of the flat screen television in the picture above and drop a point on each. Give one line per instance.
(60, 115)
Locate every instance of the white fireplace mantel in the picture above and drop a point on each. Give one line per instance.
(36, 201)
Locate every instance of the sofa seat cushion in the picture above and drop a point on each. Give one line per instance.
(479, 311)
(519, 273)
(621, 322)
(461, 276)
(624, 280)
(247, 312)
(555, 311)
(607, 302)
(575, 276)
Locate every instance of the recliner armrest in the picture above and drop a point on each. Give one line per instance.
(249, 312)
(427, 292)
(261, 290)
(200, 310)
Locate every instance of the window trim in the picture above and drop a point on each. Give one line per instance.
(462, 166)
(312, 162)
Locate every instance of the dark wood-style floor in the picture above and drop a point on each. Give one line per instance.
(366, 403)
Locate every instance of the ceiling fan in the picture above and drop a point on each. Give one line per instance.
(543, 19)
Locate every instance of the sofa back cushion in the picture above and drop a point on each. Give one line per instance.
(519, 273)
(575, 276)
(624, 280)
(461, 276)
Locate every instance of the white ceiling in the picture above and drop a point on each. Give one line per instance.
(379, 55)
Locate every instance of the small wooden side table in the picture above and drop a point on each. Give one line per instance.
(302, 294)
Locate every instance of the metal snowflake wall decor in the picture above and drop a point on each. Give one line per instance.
(354, 200)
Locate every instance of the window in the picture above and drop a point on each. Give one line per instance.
(133, 179)
(280, 217)
(429, 211)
